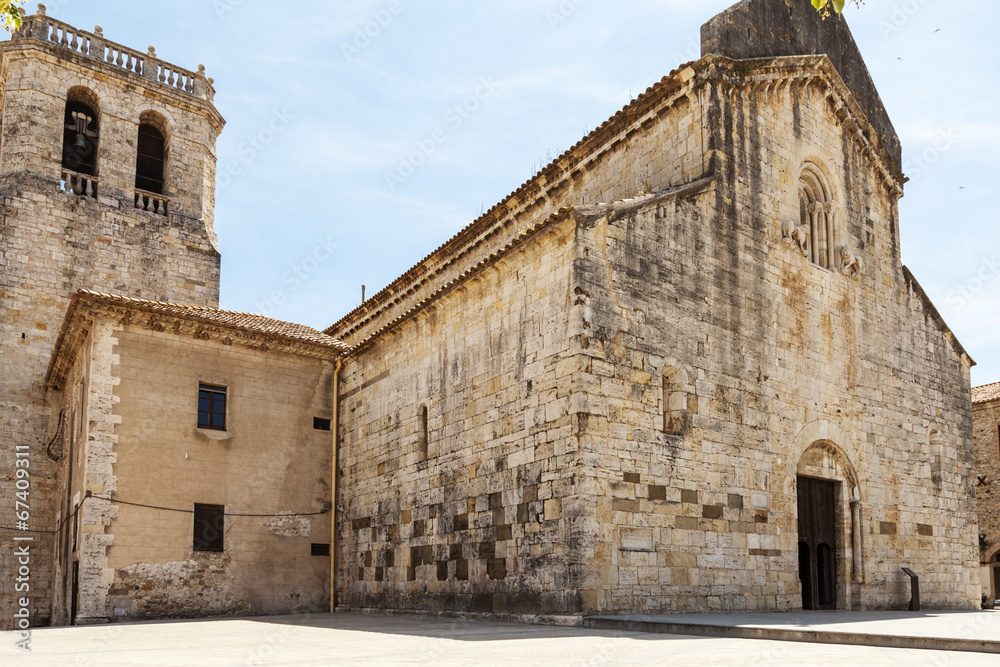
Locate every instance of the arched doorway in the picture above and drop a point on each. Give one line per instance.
(817, 540)
(828, 523)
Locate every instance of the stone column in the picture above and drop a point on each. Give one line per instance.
(857, 547)
(819, 241)
(831, 236)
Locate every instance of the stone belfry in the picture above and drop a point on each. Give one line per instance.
(107, 182)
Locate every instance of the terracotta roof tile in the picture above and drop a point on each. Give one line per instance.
(986, 393)
(249, 322)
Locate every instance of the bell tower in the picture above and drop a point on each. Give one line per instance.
(107, 183)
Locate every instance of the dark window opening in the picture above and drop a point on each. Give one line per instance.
(209, 525)
(320, 549)
(76, 525)
(423, 434)
(80, 139)
(321, 424)
(212, 407)
(150, 160)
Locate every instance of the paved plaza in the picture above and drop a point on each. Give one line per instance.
(355, 639)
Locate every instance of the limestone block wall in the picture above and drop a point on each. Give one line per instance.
(144, 448)
(723, 364)
(987, 425)
(72, 432)
(644, 148)
(38, 77)
(53, 243)
(457, 454)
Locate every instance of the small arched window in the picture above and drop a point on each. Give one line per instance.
(423, 437)
(819, 216)
(151, 154)
(81, 129)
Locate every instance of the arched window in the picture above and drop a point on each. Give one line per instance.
(81, 129)
(151, 154)
(819, 215)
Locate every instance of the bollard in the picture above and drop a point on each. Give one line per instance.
(914, 589)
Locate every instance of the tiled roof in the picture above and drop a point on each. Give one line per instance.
(228, 326)
(543, 183)
(986, 393)
(248, 322)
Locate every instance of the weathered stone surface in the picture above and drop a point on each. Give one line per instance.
(141, 374)
(986, 414)
(768, 28)
(650, 362)
(54, 242)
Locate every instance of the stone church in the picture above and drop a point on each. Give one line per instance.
(680, 369)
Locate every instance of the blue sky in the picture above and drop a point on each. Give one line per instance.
(312, 215)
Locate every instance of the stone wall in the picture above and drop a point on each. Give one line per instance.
(476, 511)
(698, 364)
(144, 448)
(769, 28)
(987, 423)
(53, 242)
(722, 364)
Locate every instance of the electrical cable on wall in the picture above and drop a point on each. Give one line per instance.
(154, 507)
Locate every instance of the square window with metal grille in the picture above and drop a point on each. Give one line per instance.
(321, 424)
(320, 549)
(212, 407)
(209, 527)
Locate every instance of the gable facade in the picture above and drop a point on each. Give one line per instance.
(625, 400)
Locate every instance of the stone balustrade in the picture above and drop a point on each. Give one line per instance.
(150, 201)
(81, 185)
(45, 29)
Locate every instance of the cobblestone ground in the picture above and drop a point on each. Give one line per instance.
(347, 639)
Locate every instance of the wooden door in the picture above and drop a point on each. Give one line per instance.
(75, 595)
(817, 543)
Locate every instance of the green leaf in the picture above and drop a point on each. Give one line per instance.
(838, 5)
(819, 4)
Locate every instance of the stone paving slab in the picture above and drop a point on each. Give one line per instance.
(355, 639)
(977, 631)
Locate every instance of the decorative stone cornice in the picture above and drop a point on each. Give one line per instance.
(772, 75)
(503, 223)
(91, 49)
(931, 310)
(187, 322)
